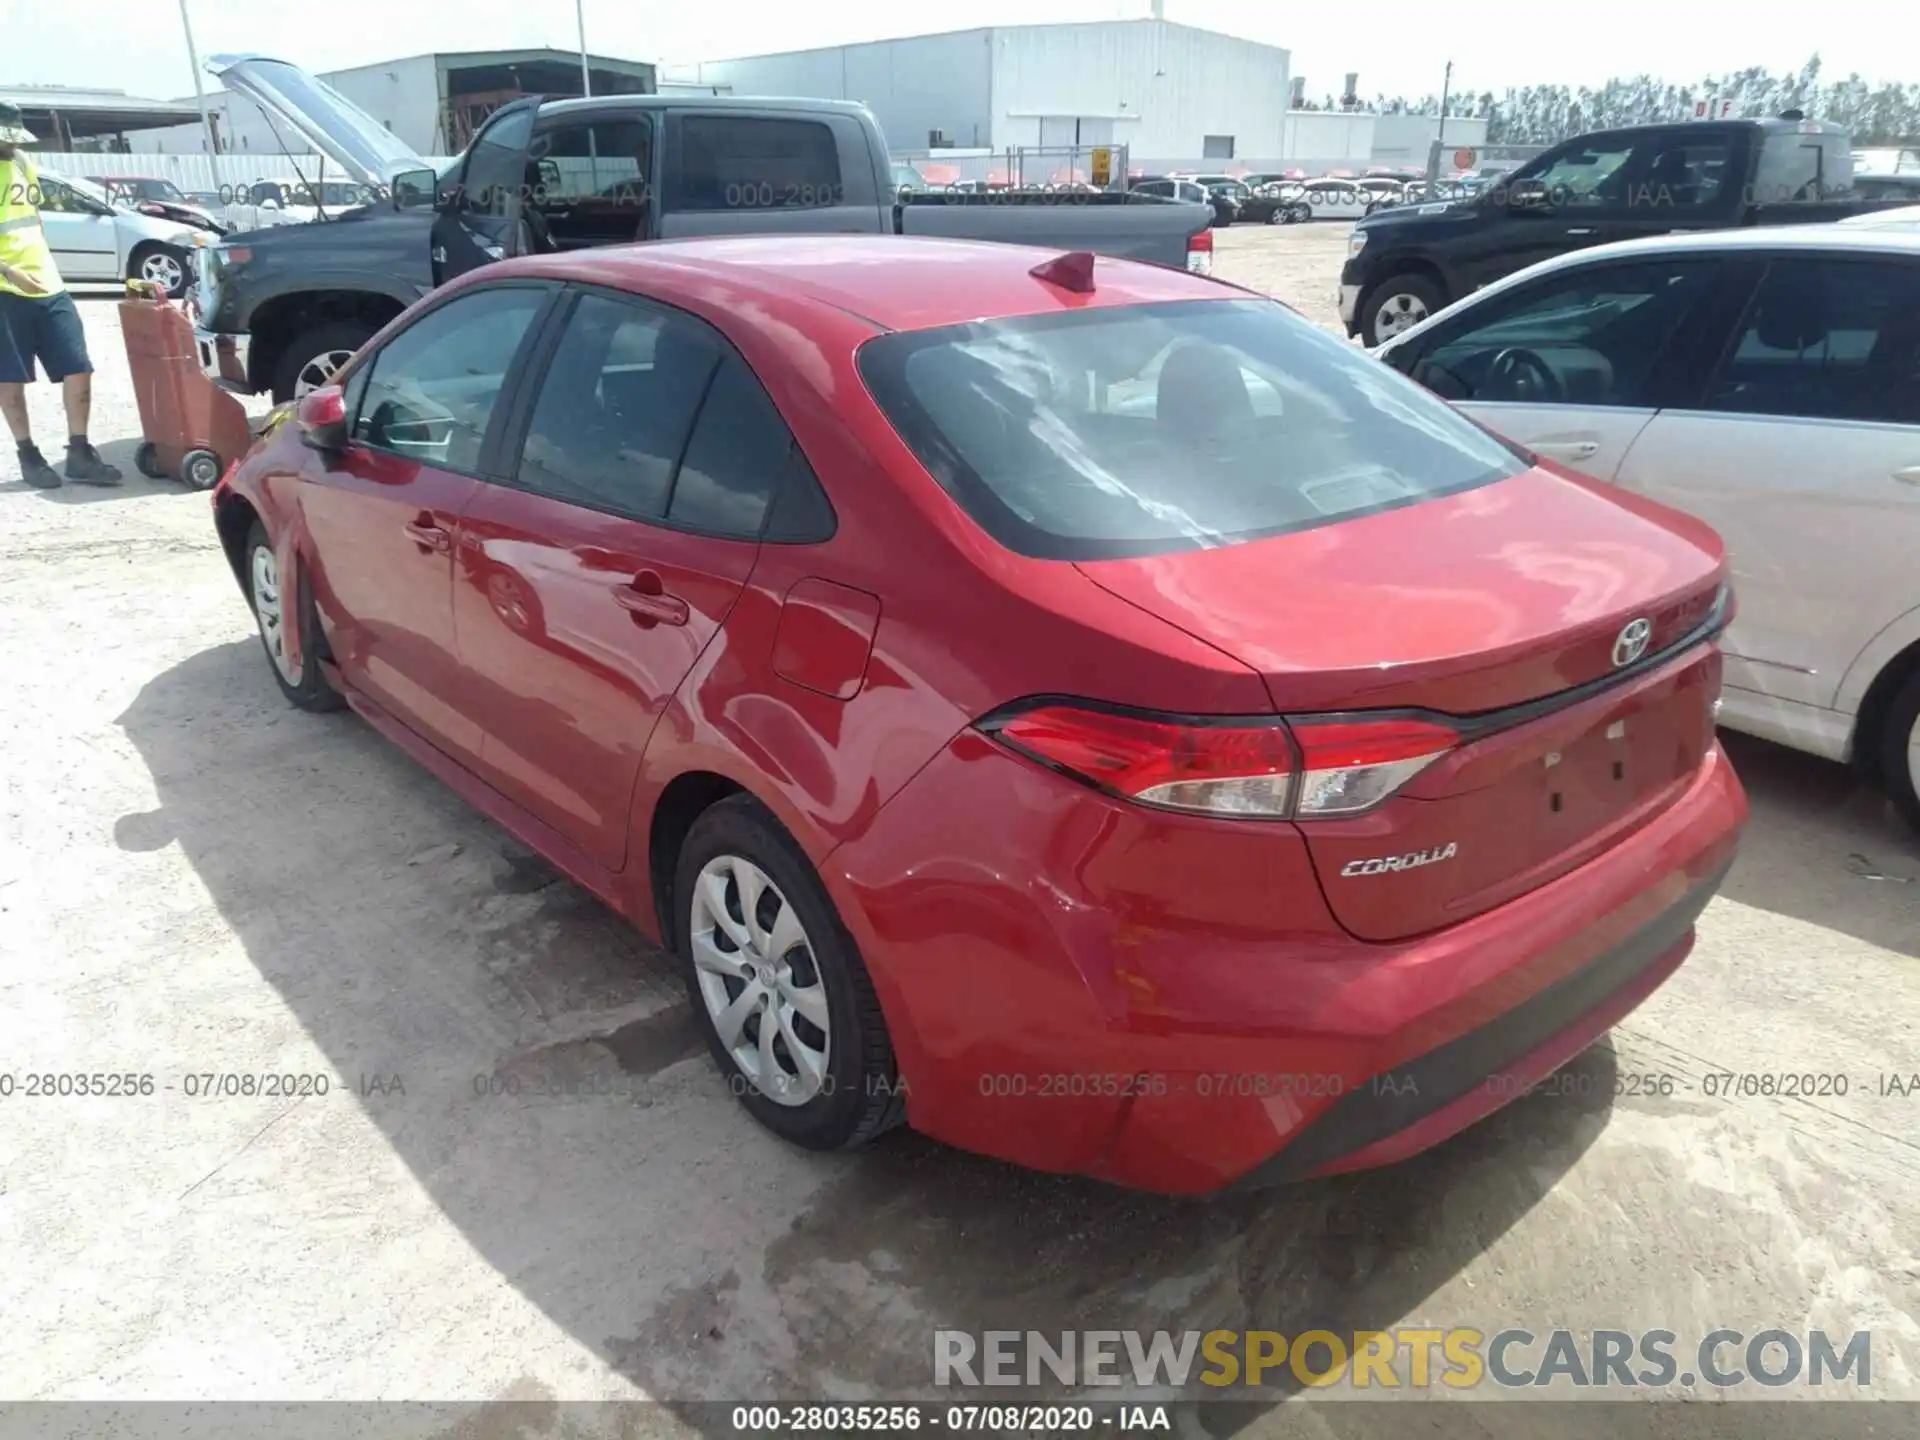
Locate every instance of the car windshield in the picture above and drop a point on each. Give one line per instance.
(1150, 429)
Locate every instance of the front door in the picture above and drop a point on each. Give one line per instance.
(82, 233)
(1574, 365)
(382, 516)
(1804, 453)
(483, 217)
(588, 587)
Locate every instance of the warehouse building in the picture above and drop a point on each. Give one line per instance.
(434, 103)
(1167, 92)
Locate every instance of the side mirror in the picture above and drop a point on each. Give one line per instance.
(322, 417)
(413, 188)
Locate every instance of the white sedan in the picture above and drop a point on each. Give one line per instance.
(94, 240)
(1768, 382)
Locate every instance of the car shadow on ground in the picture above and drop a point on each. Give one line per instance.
(700, 1257)
(1825, 847)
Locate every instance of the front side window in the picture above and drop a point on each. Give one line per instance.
(752, 162)
(616, 407)
(430, 393)
(1585, 176)
(1827, 338)
(607, 164)
(1149, 429)
(1593, 337)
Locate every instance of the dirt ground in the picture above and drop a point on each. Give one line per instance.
(197, 880)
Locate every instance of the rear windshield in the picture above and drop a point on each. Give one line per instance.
(1149, 429)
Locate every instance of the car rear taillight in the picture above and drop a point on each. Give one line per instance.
(1351, 764)
(1200, 253)
(1251, 769)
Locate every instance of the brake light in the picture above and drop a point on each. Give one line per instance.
(1200, 253)
(1251, 769)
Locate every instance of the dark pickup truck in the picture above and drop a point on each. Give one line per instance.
(279, 310)
(1405, 263)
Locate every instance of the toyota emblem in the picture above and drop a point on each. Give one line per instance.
(1632, 643)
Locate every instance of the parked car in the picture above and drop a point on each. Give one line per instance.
(93, 239)
(1324, 774)
(1900, 217)
(280, 311)
(1887, 187)
(1405, 264)
(162, 199)
(1335, 197)
(1768, 382)
(1187, 191)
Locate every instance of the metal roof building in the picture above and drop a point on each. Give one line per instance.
(66, 116)
(434, 102)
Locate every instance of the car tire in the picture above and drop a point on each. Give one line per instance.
(833, 1093)
(1900, 751)
(1277, 215)
(200, 469)
(315, 355)
(305, 686)
(165, 265)
(1398, 302)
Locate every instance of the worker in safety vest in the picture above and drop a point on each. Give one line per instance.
(38, 322)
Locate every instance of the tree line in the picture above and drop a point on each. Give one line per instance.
(1885, 114)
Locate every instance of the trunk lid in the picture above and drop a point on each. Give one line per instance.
(1516, 609)
(326, 119)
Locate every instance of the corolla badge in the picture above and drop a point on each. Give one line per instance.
(1387, 864)
(1632, 642)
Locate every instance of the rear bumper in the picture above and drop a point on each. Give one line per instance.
(1420, 1103)
(1165, 1002)
(224, 358)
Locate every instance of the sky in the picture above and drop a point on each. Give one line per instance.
(1398, 46)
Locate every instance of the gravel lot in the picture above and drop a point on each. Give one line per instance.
(196, 879)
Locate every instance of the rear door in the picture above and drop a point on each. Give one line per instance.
(1574, 365)
(746, 172)
(590, 583)
(1804, 453)
(382, 515)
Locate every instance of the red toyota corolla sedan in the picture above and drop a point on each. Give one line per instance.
(1074, 707)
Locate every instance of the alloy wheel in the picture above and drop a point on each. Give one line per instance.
(1913, 755)
(165, 271)
(759, 980)
(268, 609)
(1399, 313)
(319, 371)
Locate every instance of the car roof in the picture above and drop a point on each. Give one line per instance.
(1825, 238)
(730, 103)
(893, 282)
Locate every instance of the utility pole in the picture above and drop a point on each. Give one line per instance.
(1446, 86)
(199, 90)
(580, 19)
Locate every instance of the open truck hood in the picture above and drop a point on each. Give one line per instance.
(335, 126)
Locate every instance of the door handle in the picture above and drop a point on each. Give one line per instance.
(428, 536)
(1567, 449)
(1909, 476)
(647, 601)
(1581, 230)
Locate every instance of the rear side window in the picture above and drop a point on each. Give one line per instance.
(616, 407)
(1800, 165)
(735, 459)
(429, 394)
(753, 162)
(1828, 339)
(1151, 429)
